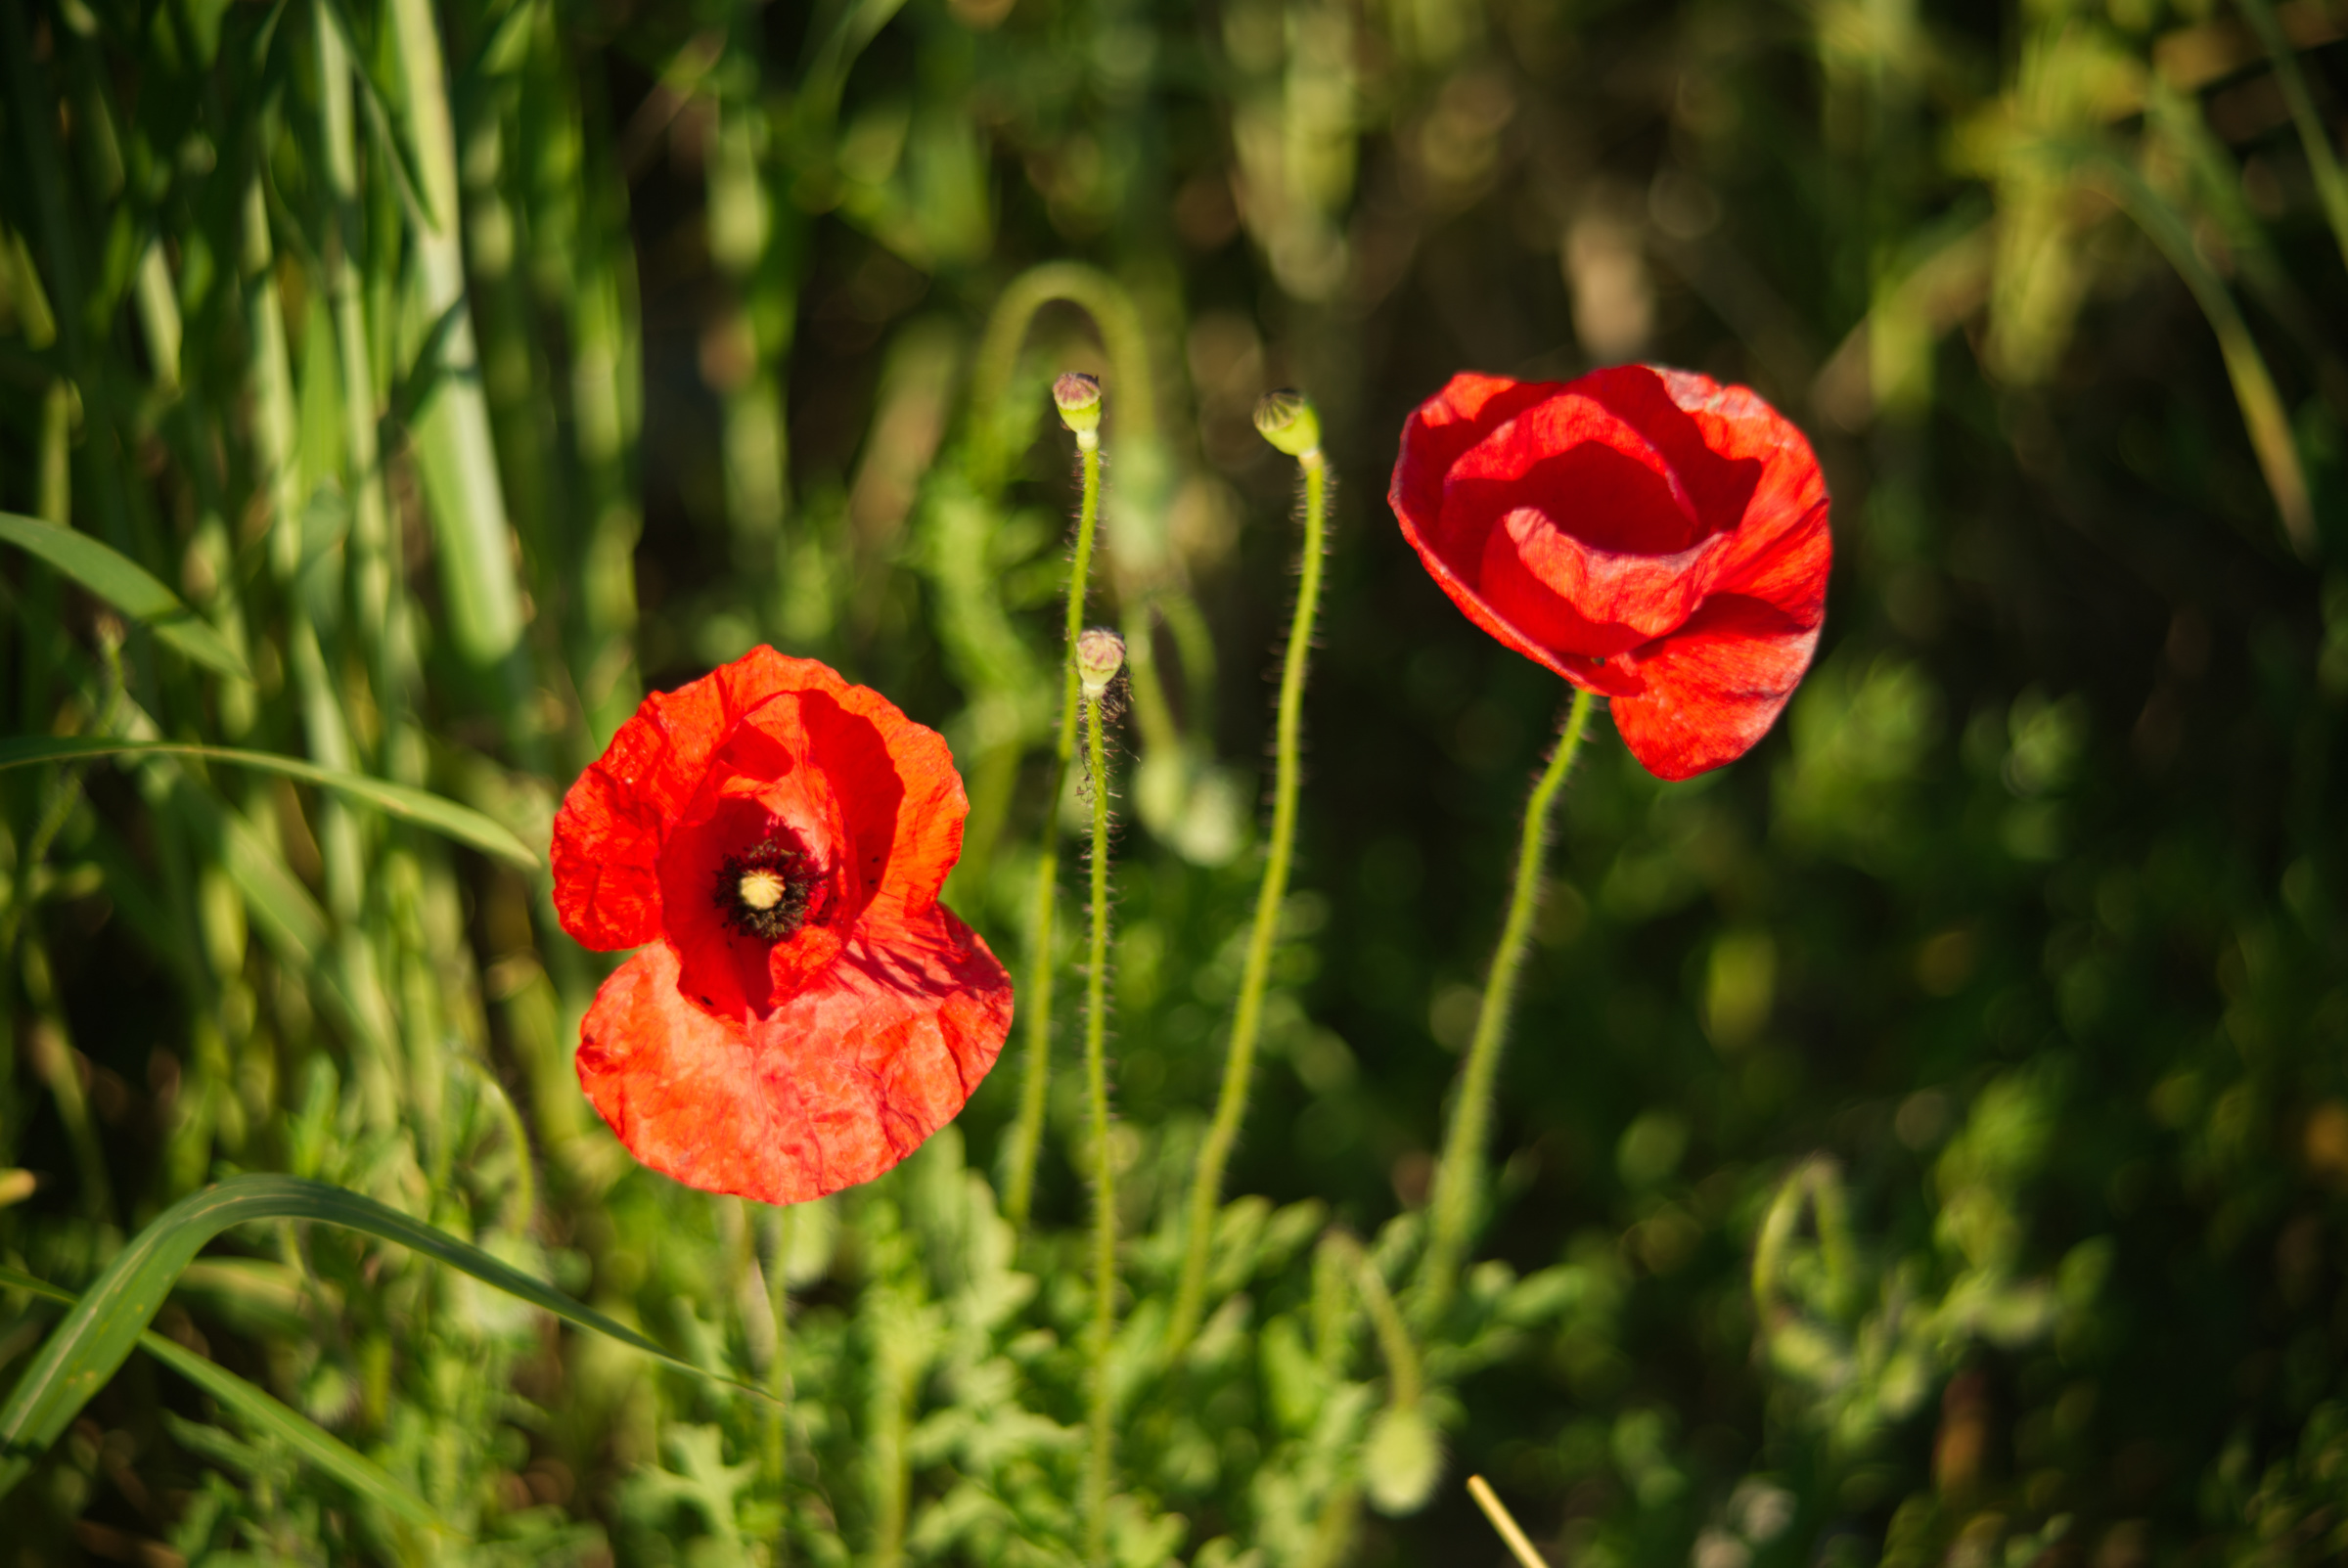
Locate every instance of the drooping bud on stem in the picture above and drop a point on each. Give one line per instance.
(1100, 654)
(1287, 420)
(1078, 397)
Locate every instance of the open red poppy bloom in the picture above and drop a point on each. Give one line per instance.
(803, 1013)
(1649, 534)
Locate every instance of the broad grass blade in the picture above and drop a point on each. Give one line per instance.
(98, 1334)
(126, 585)
(444, 816)
(261, 1410)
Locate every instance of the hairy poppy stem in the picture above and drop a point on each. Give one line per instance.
(1104, 1196)
(1027, 1133)
(1460, 1178)
(1239, 1067)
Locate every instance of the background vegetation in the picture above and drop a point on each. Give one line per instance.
(1924, 1140)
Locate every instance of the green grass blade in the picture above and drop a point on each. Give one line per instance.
(426, 810)
(261, 1410)
(385, 134)
(126, 585)
(97, 1335)
(2254, 391)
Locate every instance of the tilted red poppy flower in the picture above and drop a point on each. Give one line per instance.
(803, 1011)
(1649, 534)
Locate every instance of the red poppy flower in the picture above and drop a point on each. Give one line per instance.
(1649, 534)
(803, 1011)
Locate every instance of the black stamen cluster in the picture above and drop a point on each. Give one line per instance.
(790, 912)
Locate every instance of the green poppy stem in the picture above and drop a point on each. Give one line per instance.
(1104, 1196)
(1028, 1132)
(1460, 1178)
(1239, 1067)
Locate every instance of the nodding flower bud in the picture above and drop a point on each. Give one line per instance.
(1287, 420)
(1079, 398)
(1100, 654)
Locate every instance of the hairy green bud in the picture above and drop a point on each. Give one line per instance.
(1287, 420)
(1100, 654)
(1403, 1461)
(1078, 397)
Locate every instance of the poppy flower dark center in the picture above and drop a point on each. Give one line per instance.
(763, 891)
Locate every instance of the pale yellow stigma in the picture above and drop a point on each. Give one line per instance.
(762, 889)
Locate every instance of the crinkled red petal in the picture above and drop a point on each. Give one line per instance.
(1646, 534)
(841, 1081)
(1714, 687)
(903, 830)
(616, 818)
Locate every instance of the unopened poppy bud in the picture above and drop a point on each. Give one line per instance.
(1403, 1460)
(1100, 654)
(1287, 420)
(1078, 396)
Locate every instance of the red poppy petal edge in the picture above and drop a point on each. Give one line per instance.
(1714, 688)
(842, 1082)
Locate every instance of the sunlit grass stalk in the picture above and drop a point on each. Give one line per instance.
(455, 451)
(753, 326)
(1097, 658)
(375, 589)
(1035, 1007)
(1238, 1066)
(1520, 1546)
(1459, 1176)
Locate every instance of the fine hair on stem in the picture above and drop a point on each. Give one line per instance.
(1459, 1176)
(1036, 996)
(1238, 1066)
(1099, 1414)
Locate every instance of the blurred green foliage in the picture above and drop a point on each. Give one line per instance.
(1924, 1141)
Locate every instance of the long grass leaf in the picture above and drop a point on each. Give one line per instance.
(426, 810)
(2254, 390)
(261, 1411)
(395, 152)
(85, 1349)
(127, 586)
(2314, 139)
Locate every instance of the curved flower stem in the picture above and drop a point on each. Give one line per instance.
(1104, 1196)
(1239, 1067)
(1402, 1371)
(1028, 1132)
(1460, 1178)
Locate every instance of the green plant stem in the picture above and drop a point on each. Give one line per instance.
(456, 460)
(1105, 1195)
(1028, 1132)
(1122, 336)
(778, 1378)
(1460, 1178)
(1238, 1066)
(1402, 1371)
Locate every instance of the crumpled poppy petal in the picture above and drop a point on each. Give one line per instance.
(1647, 534)
(806, 1012)
(844, 1079)
(618, 812)
(1714, 688)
